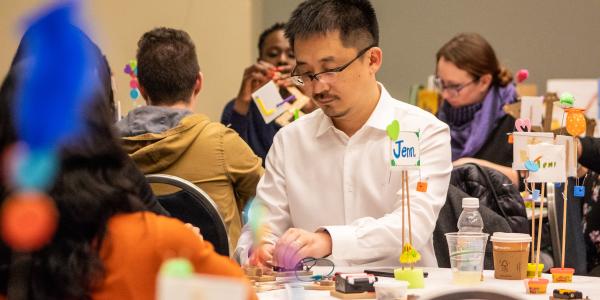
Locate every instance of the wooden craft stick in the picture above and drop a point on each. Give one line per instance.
(532, 224)
(408, 210)
(403, 223)
(539, 241)
(564, 223)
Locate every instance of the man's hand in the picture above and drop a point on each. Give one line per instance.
(262, 255)
(296, 244)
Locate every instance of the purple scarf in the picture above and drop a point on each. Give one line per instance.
(471, 125)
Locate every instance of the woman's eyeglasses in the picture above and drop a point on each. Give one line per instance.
(452, 89)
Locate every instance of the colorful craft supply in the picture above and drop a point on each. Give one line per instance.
(393, 130)
(579, 191)
(576, 124)
(286, 100)
(531, 166)
(131, 69)
(29, 220)
(522, 75)
(566, 100)
(523, 125)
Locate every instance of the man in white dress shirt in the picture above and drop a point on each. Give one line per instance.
(329, 188)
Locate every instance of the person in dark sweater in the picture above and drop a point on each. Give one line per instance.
(241, 114)
(475, 88)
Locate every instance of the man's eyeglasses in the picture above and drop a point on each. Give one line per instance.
(327, 76)
(453, 89)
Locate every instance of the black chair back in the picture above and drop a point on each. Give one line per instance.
(192, 205)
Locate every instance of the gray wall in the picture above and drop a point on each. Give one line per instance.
(551, 38)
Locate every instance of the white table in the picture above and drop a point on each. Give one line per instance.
(440, 281)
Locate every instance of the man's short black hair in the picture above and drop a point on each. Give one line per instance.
(264, 34)
(355, 19)
(167, 65)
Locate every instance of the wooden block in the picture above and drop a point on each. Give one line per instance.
(321, 286)
(287, 279)
(288, 116)
(267, 271)
(326, 282)
(270, 287)
(293, 273)
(265, 278)
(363, 295)
(263, 283)
(251, 271)
(513, 109)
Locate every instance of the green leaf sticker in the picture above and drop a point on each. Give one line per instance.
(393, 163)
(393, 130)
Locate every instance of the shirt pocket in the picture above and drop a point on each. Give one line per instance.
(391, 186)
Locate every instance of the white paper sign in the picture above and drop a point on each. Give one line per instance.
(551, 162)
(571, 160)
(585, 92)
(405, 152)
(199, 286)
(532, 108)
(269, 101)
(520, 142)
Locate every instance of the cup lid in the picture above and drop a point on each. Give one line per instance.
(507, 237)
(391, 283)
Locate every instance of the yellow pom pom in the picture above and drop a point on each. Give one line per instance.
(409, 255)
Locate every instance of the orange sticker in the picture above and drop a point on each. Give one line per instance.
(422, 186)
(510, 139)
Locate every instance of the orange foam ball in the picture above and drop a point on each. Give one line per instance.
(28, 221)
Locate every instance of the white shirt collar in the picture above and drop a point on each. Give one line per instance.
(380, 118)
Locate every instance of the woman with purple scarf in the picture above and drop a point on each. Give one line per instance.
(475, 88)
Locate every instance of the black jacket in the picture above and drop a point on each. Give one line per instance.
(494, 191)
(496, 148)
(590, 154)
(448, 217)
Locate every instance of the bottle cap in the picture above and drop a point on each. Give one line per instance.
(470, 203)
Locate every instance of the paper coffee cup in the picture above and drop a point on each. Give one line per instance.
(511, 251)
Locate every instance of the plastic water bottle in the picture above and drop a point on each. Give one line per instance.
(470, 220)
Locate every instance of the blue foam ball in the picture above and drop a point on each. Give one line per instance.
(134, 94)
